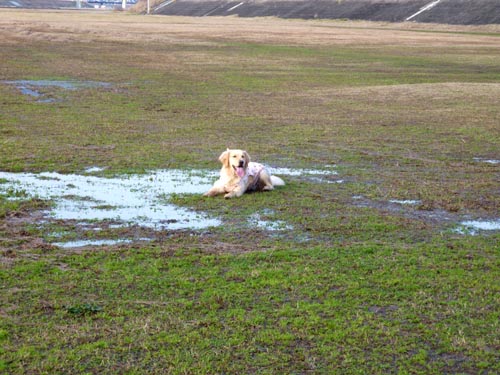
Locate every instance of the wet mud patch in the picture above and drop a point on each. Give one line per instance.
(89, 210)
(408, 208)
(412, 209)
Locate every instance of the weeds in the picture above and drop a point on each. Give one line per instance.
(84, 309)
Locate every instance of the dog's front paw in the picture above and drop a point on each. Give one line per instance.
(211, 193)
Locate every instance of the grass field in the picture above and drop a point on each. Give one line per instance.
(355, 281)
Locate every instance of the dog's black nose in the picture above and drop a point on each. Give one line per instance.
(242, 163)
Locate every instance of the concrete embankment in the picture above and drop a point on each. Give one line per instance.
(465, 12)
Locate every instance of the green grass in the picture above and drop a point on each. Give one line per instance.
(352, 289)
(347, 309)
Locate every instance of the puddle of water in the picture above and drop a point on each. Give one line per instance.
(29, 87)
(472, 227)
(132, 200)
(320, 180)
(129, 200)
(312, 175)
(301, 172)
(94, 169)
(489, 161)
(409, 202)
(66, 85)
(82, 243)
(255, 220)
(28, 91)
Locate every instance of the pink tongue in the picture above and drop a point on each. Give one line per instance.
(240, 172)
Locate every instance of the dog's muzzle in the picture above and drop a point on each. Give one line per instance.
(240, 169)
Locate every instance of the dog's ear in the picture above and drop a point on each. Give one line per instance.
(247, 157)
(224, 157)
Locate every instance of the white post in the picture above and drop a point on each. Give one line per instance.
(148, 7)
(124, 4)
(78, 4)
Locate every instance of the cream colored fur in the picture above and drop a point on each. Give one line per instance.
(239, 175)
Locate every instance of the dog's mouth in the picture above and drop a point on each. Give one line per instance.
(240, 171)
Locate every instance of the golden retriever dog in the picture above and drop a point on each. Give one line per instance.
(239, 175)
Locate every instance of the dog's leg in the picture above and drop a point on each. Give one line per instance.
(216, 190)
(238, 192)
(265, 181)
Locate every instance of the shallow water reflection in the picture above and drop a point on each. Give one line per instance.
(131, 200)
(32, 87)
(473, 227)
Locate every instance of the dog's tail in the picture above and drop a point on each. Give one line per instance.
(277, 181)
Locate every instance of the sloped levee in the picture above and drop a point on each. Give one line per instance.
(465, 12)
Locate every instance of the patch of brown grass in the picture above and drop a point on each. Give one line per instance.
(90, 26)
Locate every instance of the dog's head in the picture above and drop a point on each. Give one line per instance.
(235, 161)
